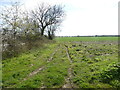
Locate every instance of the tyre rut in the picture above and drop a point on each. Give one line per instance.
(39, 69)
(42, 67)
(68, 80)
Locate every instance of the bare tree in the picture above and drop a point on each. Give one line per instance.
(48, 16)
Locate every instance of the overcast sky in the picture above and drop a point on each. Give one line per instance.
(83, 17)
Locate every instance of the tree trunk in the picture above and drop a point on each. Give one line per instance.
(42, 31)
(49, 35)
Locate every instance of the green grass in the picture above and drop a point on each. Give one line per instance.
(52, 76)
(86, 39)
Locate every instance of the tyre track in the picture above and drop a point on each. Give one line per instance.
(39, 69)
(43, 85)
(69, 83)
(42, 67)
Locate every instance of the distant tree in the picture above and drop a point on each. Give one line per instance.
(48, 16)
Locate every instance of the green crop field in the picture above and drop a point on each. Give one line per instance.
(87, 38)
(70, 62)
